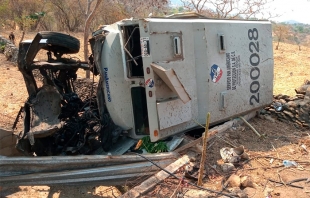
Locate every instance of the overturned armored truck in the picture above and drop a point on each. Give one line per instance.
(158, 77)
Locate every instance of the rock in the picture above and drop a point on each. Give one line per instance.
(282, 101)
(272, 110)
(244, 156)
(308, 91)
(247, 181)
(302, 89)
(305, 125)
(306, 107)
(300, 96)
(292, 104)
(233, 181)
(278, 96)
(289, 114)
(227, 167)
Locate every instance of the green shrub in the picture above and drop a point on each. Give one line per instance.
(2, 46)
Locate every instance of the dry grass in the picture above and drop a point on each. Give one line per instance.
(291, 68)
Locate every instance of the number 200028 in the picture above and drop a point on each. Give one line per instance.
(254, 60)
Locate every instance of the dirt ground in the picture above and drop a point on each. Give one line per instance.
(282, 141)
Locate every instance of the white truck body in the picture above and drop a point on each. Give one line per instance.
(162, 75)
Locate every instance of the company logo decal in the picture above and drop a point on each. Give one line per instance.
(216, 73)
(149, 82)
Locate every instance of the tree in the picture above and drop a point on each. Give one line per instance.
(68, 14)
(21, 13)
(90, 15)
(281, 31)
(228, 8)
(143, 8)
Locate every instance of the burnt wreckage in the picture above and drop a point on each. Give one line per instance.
(55, 120)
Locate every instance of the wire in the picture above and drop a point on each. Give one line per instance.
(202, 188)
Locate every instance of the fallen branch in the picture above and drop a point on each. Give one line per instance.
(204, 151)
(286, 184)
(148, 184)
(253, 129)
(154, 180)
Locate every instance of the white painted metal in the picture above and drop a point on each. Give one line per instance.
(173, 112)
(215, 61)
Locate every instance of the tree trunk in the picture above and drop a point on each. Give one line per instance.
(86, 33)
(277, 47)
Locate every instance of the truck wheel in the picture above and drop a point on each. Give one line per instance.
(60, 43)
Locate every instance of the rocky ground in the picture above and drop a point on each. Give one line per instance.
(286, 136)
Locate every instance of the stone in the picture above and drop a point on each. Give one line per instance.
(272, 110)
(289, 114)
(282, 101)
(299, 123)
(300, 96)
(278, 96)
(247, 181)
(227, 167)
(306, 107)
(292, 104)
(305, 125)
(233, 181)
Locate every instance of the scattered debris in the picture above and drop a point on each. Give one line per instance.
(158, 177)
(233, 155)
(288, 163)
(227, 167)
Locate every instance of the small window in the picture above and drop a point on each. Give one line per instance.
(177, 46)
(222, 46)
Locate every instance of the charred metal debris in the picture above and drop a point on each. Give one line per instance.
(56, 119)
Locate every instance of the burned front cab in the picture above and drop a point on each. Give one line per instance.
(160, 76)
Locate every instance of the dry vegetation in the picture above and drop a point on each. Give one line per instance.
(291, 68)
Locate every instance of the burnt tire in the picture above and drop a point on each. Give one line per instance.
(60, 43)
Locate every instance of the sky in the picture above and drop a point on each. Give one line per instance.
(297, 10)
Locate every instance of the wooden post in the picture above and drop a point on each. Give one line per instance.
(204, 151)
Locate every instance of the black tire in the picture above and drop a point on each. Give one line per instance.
(61, 43)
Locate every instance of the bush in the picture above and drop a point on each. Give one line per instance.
(2, 46)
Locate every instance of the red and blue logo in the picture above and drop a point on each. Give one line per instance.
(149, 82)
(216, 73)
